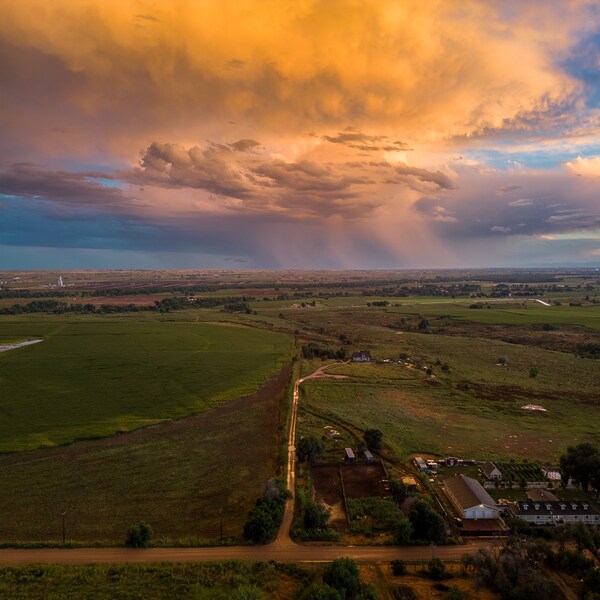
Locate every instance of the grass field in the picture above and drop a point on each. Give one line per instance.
(218, 581)
(472, 411)
(176, 476)
(98, 376)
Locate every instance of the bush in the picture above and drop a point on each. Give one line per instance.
(139, 536)
(342, 574)
(404, 592)
(455, 593)
(398, 567)
(310, 448)
(315, 516)
(437, 570)
(373, 438)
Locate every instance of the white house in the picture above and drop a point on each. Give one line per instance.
(469, 498)
(491, 471)
(556, 511)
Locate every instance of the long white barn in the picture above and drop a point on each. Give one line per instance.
(469, 498)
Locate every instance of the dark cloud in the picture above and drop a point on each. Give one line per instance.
(172, 166)
(67, 188)
(245, 145)
(368, 143)
(477, 212)
(408, 175)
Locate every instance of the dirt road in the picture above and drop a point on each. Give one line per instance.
(283, 549)
(284, 553)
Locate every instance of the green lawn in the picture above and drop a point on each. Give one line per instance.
(94, 377)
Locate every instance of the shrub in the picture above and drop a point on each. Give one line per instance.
(342, 574)
(139, 536)
(398, 567)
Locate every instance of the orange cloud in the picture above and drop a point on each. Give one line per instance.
(183, 70)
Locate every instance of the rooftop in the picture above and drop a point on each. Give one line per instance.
(468, 491)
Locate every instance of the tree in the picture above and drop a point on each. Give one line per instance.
(427, 524)
(367, 593)
(533, 372)
(455, 593)
(260, 526)
(399, 490)
(310, 448)
(321, 592)
(342, 574)
(437, 570)
(398, 567)
(402, 531)
(582, 463)
(139, 536)
(373, 438)
(503, 360)
(315, 516)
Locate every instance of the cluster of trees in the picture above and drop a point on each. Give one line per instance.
(309, 448)
(264, 519)
(589, 350)
(313, 350)
(581, 463)
(517, 571)
(232, 304)
(238, 307)
(422, 524)
(341, 581)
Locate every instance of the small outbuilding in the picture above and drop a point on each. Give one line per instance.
(348, 454)
(368, 456)
(364, 356)
(491, 471)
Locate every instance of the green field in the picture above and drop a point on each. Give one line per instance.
(96, 377)
(473, 411)
(176, 476)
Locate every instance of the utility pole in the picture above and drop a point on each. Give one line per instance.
(63, 526)
(221, 522)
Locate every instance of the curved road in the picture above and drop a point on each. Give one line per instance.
(282, 549)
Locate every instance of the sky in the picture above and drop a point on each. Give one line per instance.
(299, 134)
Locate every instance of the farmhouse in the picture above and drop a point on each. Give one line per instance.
(361, 357)
(547, 512)
(469, 498)
(491, 471)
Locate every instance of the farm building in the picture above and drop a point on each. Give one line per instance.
(361, 357)
(469, 498)
(491, 471)
(547, 512)
(368, 456)
(420, 464)
(348, 454)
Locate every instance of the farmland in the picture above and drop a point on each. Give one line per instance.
(195, 444)
(96, 377)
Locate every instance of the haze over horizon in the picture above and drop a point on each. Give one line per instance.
(299, 134)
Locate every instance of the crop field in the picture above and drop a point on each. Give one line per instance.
(176, 476)
(98, 376)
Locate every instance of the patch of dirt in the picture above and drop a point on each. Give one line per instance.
(359, 481)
